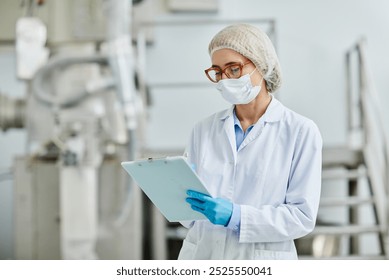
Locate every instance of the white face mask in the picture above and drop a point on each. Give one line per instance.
(239, 91)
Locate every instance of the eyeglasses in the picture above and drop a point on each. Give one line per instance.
(232, 71)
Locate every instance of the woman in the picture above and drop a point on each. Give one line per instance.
(260, 161)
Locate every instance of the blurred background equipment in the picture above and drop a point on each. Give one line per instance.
(81, 113)
(87, 84)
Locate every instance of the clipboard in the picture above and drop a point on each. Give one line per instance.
(165, 182)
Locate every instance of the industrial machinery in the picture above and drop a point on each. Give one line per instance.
(81, 112)
(84, 112)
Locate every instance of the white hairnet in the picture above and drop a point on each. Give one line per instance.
(254, 44)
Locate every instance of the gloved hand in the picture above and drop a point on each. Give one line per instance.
(217, 210)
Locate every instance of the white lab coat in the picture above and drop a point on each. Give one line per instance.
(275, 177)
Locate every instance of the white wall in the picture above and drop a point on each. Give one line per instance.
(312, 38)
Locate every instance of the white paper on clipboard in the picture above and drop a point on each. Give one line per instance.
(165, 181)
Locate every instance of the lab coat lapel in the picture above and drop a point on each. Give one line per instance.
(254, 134)
(230, 133)
(273, 114)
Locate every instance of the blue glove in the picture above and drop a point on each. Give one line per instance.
(217, 210)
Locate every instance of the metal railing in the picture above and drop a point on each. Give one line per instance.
(366, 121)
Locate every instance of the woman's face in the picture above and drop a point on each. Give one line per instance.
(223, 57)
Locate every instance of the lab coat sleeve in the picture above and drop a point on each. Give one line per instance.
(297, 216)
(190, 155)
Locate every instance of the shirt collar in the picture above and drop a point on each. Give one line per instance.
(236, 120)
(273, 112)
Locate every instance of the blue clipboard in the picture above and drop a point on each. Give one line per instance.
(165, 182)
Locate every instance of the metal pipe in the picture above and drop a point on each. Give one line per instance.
(349, 95)
(61, 63)
(120, 55)
(120, 59)
(197, 22)
(181, 22)
(181, 85)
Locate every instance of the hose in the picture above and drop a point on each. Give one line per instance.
(62, 63)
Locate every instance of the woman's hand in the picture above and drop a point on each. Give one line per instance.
(217, 210)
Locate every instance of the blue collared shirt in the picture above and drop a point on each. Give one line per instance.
(240, 135)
